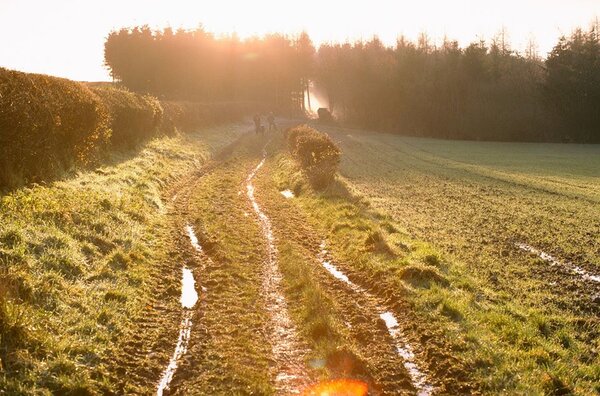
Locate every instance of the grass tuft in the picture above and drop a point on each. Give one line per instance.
(555, 386)
(422, 277)
(375, 242)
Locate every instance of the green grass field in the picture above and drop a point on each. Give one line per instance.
(529, 326)
(426, 230)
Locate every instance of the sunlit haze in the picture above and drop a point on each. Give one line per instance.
(66, 37)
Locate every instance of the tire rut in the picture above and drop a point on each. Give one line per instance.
(191, 258)
(361, 315)
(391, 372)
(419, 380)
(291, 376)
(424, 351)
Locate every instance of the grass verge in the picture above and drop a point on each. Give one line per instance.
(76, 260)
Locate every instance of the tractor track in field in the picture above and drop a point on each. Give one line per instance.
(395, 357)
(139, 362)
(288, 352)
(193, 260)
(288, 372)
(419, 379)
(390, 357)
(377, 362)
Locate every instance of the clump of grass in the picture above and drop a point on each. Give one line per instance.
(422, 277)
(451, 311)
(62, 263)
(115, 295)
(554, 385)
(119, 260)
(432, 259)
(375, 242)
(389, 227)
(10, 238)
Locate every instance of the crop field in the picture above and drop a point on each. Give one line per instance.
(521, 223)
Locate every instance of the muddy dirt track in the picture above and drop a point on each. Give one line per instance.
(243, 332)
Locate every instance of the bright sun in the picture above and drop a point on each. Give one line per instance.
(43, 41)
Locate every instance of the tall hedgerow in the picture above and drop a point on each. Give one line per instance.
(133, 117)
(47, 125)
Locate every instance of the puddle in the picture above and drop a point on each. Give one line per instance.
(403, 348)
(185, 330)
(189, 295)
(406, 352)
(287, 193)
(554, 261)
(288, 355)
(188, 299)
(337, 273)
(193, 238)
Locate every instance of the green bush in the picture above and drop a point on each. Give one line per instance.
(47, 125)
(317, 154)
(133, 117)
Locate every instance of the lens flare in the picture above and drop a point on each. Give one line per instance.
(340, 387)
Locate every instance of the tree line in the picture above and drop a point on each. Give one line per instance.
(198, 66)
(482, 91)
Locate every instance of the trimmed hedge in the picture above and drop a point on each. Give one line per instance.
(133, 117)
(317, 154)
(48, 124)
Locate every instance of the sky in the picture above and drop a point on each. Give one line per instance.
(66, 37)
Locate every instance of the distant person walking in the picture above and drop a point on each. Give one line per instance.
(271, 120)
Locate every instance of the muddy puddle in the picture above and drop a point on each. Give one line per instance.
(188, 300)
(403, 347)
(193, 238)
(287, 193)
(290, 374)
(553, 261)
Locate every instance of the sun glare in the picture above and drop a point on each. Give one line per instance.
(43, 41)
(340, 387)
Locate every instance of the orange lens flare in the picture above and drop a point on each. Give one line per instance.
(341, 387)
